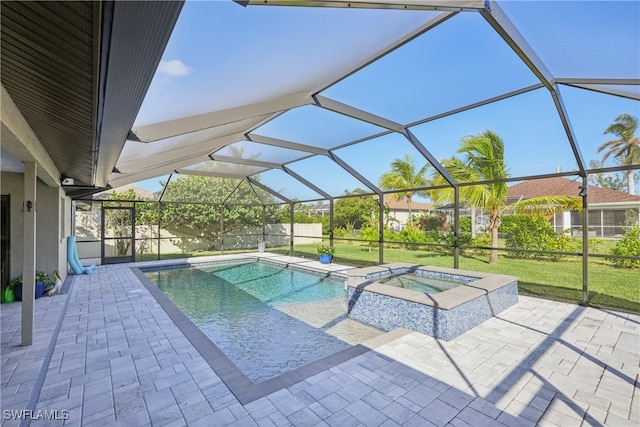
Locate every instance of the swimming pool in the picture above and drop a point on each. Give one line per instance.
(441, 313)
(420, 283)
(267, 319)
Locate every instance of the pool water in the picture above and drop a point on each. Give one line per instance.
(420, 283)
(267, 319)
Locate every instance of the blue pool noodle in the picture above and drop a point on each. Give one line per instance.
(74, 260)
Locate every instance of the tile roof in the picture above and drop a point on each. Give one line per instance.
(559, 186)
(401, 205)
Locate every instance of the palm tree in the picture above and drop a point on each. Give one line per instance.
(484, 161)
(404, 176)
(626, 148)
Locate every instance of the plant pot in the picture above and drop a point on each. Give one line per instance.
(8, 295)
(325, 258)
(39, 291)
(261, 246)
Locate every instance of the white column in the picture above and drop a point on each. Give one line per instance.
(29, 255)
(566, 220)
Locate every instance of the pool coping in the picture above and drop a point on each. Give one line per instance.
(238, 383)
(446, 300)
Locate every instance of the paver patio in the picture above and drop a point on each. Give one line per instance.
(106, 353)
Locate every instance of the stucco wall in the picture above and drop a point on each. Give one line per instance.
(51, 247)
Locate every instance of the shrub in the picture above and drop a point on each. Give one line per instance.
(370, 234)
(534, 232)
(342, 233)
(427, 223)
(464, 224)
(629, 245)
(481, 239)
(411, 235)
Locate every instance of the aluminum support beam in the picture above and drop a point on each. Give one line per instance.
(564, 118)
(232, 191)
(349, 111)
(222, 229)
(456, 227)
(477, 104)
(331, 222)
(593, 81)
(268, 190)
(585, 240)
(165, 188)
(248, 162)
(291, 226)
(305, 182)
(285, 144)
(427, 155)
(211, 174)
(494, 15)
(355, 174)
(381, 230)
(448, 5)
(607, 90)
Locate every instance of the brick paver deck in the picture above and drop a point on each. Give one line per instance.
(106, 353)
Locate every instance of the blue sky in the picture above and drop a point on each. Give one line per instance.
(460, 62)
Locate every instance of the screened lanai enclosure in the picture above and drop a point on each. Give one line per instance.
(506, 133)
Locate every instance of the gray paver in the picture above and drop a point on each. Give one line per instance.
(120, 360)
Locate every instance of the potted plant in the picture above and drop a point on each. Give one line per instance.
(261, 245)
(42, 282)
(326, 253)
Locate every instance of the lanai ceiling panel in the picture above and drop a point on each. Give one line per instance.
(598, 44)
(251, 54)
(164, 156)
(311, 125)
(591, 114)
(373, 158)
(247, 150)
(288, 186)
(329, 176)
(533, 136)
(222, 169)
(441, 70)
(208, 190)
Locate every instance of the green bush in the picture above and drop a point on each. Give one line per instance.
(464, 224)
(427, 223)
(534, 232)
(629, 245)
(412, 235)
(342, 233)
(481, 239)
(370, 234)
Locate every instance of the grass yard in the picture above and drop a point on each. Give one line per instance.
(610, 287)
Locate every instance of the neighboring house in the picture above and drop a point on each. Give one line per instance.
(611, 212)
(480, 219)
(320, 209)
(398, 215)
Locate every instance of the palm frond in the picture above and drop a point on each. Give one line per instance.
(547, 205)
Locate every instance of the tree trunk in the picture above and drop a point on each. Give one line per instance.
(493, 254)
(630, 182)
(473, 222)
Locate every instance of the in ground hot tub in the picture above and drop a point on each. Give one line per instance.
(440, 302)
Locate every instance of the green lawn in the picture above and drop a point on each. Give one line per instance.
(608, 286)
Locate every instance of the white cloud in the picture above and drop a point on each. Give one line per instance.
(175, 67)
